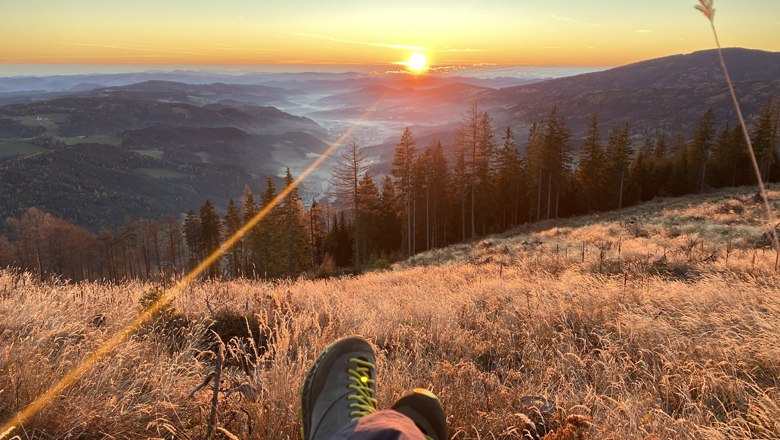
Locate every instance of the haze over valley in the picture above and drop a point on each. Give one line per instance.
(152, 143)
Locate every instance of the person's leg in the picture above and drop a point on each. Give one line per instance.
(337, 400)
(339, 388)
(386, 424)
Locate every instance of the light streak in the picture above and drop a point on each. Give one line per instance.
(50, 394)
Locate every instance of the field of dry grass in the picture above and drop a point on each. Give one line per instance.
(659, 322)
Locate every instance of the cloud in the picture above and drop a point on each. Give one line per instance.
(643, 31)
(156, 49)
(574, 20)
(362, 43)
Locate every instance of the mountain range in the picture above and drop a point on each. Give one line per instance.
(95, 149)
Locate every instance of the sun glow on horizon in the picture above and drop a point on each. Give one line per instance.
(417, 63)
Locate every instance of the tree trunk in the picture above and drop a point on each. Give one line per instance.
(539, 198)
(549, 194)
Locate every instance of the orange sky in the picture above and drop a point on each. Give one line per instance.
(555, 32)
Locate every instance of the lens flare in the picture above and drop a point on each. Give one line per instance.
(105, 350)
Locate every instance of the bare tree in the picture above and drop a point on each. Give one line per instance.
(345, 179)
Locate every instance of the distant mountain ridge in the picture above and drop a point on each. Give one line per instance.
(173, 144)
(664, 94)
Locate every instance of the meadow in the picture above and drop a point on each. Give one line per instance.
(661, 321)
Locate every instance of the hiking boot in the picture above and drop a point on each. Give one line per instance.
(339, 388)
(424, 408)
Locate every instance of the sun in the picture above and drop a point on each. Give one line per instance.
(417, 63)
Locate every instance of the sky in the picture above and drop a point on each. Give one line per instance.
(374, 32)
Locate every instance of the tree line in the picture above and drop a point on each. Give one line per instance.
(431, 197)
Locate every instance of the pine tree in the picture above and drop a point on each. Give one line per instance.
(726, 158)
(764, 139)
(439, 177)
(270, 258)
(641, 185)
(192, 237)
(250, 244)
(210, 235)
(591, 174)
(618, 157)
(389, 224)
(508, 180)
(233, 223)
(317, 234)
(467, 142)
(294, 242)
(699, 152)
(403, 173)
(677, 182)
(663, 166)
(459, 192)
(535, 170)
(485, 167)
(422, 198)
(369, 217)
(548, 161)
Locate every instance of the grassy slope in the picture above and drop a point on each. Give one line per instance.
(658, 335)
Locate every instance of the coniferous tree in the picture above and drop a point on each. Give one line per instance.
(439, 179)
(663, 166)
(317, 234)
(339, 241)
(677, 182)
(403, 173)
(591, 172)
(233, 223)
(548, 160)
(270, 259)
(535, 170)
(618, 158)
(641, 184)
(467, 142)
(422, 198)
(193, 237)
(294, 239)
(250, 244)
(508, 180)
(485, 167)
(461, 183)
(764, 139)
(390, 239)
(210, 235)
(369, 217)
(173, 237)
(728, 155)
(699, 152)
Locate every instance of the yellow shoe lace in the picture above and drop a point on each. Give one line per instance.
(363, 387)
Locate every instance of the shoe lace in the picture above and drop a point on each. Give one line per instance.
(363, 387)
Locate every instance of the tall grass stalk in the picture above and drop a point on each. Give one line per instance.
(706, 8)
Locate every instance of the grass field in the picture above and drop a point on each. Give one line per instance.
(24, 148)
(658, 322)
(154, 154)
(47, 121)
(98, 139)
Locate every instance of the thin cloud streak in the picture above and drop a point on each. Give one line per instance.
(163, 50)
(362, 43)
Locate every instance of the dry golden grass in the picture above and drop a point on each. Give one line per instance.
(668, 328)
